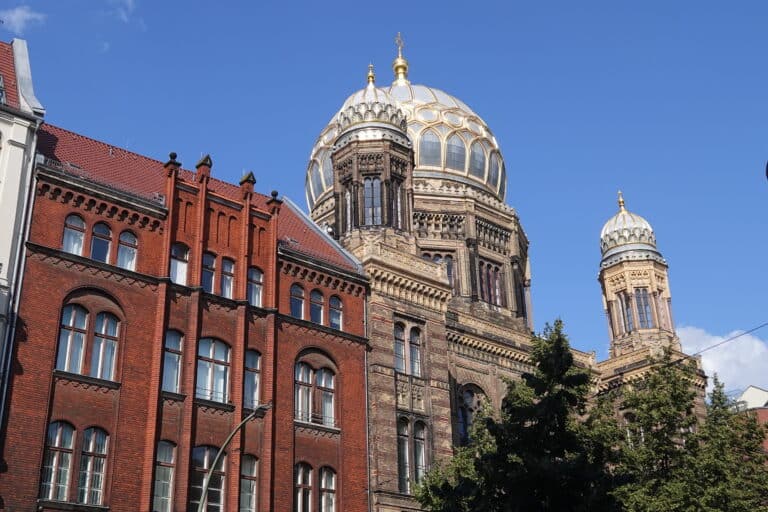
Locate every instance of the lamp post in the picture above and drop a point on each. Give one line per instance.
(259, 411)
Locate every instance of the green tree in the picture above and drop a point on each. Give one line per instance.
(540, 454)
(728, 472)
(659, 428)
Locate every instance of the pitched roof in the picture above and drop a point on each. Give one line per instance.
(139, 175)
(8, 72)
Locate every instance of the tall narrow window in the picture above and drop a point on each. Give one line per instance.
(179, 262)
(227, 278)
(626, 307)
(93, 463)
(101, 240)
(202, 461)
(403, 463)
(303, 497)
(162, 498)
(335, 312)
(643, 302)
(316, 306)
(212, 370)
(455, 154)
(372, 201)
(255, 283)
(477, 161)
(104, 346)
(327, 490)
(252, 378)
(400, 348)
(348, 211)
(325, 379)
(74, 320)
(57, 462)
(209, 270)
(249, 480)
(172, 362)
(397, 192)
(297, 301)
(415, 348)
(303, 392)
(429, 150)
(449, 269)
(420, 451)
(126, 250)
(74, 231)
(470, 398)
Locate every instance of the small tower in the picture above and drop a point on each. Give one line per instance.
(635, 285)
(372, 164)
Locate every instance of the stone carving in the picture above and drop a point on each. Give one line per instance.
(439, 225)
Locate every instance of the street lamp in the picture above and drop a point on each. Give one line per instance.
(259, 412)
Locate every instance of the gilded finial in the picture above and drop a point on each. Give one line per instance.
(371, 74)
(621, 202)
(400, 65)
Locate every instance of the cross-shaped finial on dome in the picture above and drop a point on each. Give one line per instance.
(400, 65)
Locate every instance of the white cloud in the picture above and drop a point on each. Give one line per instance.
(19, 18)
(738, 363)
(123, 9)
(104, 46)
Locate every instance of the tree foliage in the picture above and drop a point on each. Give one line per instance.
(539, 454)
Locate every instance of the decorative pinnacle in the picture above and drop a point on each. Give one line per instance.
(621, 202)
(400, 65)
(371, 74)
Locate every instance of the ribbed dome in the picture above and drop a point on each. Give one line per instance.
(627, 235)
(450, 141)
(371, 105)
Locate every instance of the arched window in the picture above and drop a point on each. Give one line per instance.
(316, 302)
(209, 270)
(212, 370)
(93, 467)
(626, 308)
(202, 461)
(303, 392)
(252, 379)
(325, 380)
(74, 232)
(179, 262)
(297, 301)
(470, 399)
(403, 458)
(372, 201)
(255, 283)
(72, 335)
(327, 490)
(429, 149)
(477, 161)
(317, 180)
(414, 342)
(303, 495)
(172, 361)
(227, 278)
(126, 250)
(101, 240)
(162, 499)
(397, 204)
(455, 153)
(400, 348)
(104, 346)
(57, 461)
(249, 483)
(420, 451)
(493, 171)
(644, 318)
(335, 316)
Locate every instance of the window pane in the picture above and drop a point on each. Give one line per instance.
(455, 153)
(429, 150)
(99, 249)
(316, 307)
(477, 161)
(171, 373)
(178, 272)
(73, 241)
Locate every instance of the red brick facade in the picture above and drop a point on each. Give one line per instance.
(122, 394)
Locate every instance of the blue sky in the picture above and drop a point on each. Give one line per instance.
(666, 101)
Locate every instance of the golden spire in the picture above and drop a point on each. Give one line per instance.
(400, 65)
(371, 75)
(621, 202)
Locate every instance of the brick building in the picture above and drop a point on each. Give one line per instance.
(162, 306)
